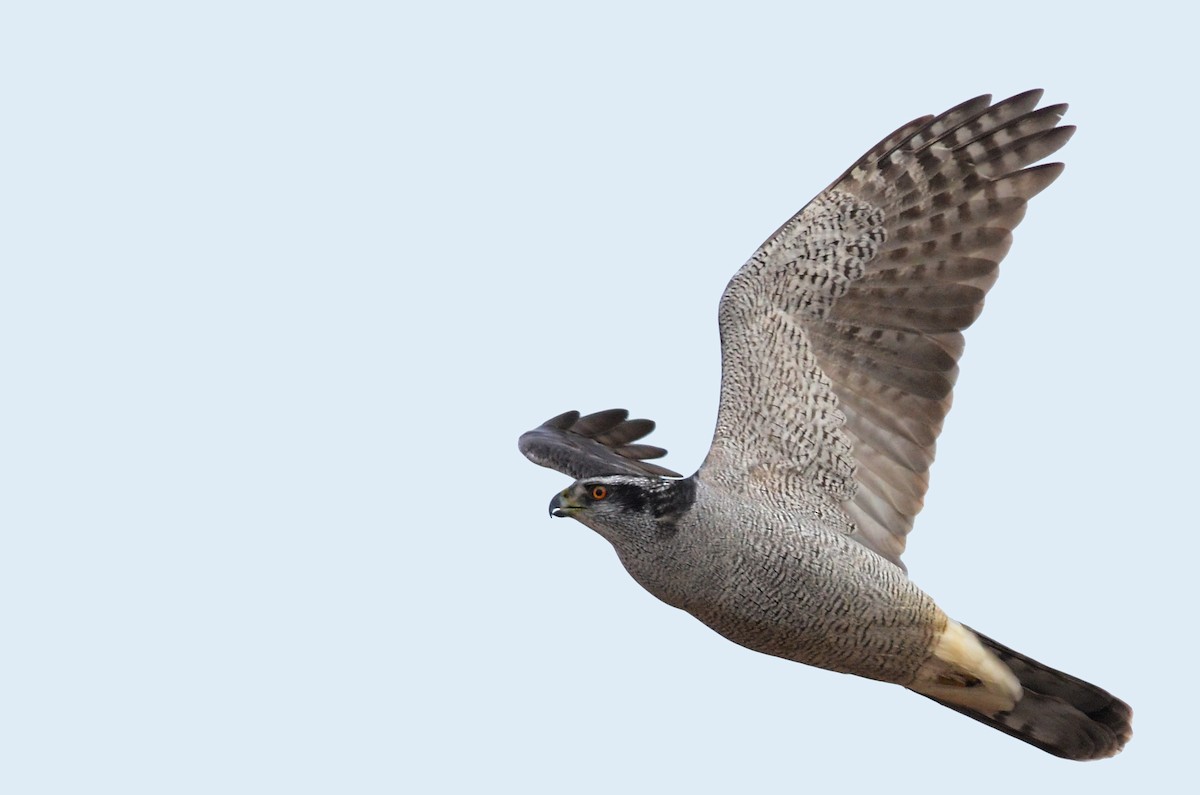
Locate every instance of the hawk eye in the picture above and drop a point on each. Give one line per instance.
(599, 492)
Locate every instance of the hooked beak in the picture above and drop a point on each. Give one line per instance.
(562, 506)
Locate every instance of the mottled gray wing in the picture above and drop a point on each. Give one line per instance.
(841, 335)
(598, 444)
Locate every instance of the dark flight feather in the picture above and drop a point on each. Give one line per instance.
(595, 445)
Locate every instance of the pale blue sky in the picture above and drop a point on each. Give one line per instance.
(282, 283)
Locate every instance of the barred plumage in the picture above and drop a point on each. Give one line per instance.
(840, 344)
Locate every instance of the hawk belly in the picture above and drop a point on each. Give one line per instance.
(806, 595)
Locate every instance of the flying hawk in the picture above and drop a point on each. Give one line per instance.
(840, 339)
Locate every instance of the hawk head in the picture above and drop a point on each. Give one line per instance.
(627, 509)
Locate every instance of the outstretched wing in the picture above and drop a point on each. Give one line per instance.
(598, 444)
(841, 335)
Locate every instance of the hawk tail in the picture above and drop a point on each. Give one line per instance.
(1058, 713)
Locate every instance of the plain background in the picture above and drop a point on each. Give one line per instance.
(283, 282)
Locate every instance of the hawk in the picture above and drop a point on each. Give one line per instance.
(840, 339)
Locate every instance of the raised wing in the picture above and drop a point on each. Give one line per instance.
(598, 444)
(841, 335)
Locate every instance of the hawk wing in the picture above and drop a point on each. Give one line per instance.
(595, 445)
(841, 335)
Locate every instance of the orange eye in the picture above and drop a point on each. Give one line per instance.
(599, 492)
